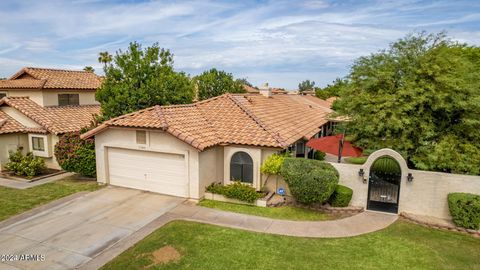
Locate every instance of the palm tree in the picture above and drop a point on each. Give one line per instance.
(105, 58)
(88, 69)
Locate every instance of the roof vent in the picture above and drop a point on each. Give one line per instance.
(265, 90)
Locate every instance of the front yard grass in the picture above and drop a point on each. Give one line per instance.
(282, 212)
(15, 201)
(403, 245)
(356, 160)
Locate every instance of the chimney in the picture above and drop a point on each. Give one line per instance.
(265, 90)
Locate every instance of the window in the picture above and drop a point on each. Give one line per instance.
(38, 144)
(141, 137)
(300, 149)
(68, 99)
(3, 95)
(241, 167)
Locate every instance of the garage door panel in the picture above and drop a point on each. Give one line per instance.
(158, 172)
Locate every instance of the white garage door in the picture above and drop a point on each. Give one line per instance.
(157, 172)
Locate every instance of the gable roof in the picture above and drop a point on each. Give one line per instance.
(55, 120)
(47, 78)
(245, 119)
(10, 125)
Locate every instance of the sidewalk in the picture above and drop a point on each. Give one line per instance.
(23, 185)
(362, 223)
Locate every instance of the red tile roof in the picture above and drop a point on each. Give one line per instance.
(55, 120)
(245, 119)
(46, 78)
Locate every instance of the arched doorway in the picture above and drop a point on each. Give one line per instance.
(384, 185)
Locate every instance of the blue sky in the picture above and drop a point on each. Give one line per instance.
(280, 42)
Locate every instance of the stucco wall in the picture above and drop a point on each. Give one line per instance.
(50, 98)
(35, 95)
(425, 195)
(10, 142)
(211, 167)
(156, 142)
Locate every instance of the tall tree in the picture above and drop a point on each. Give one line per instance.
(420, 97)
(140, 78)
(306, 85)
(89, 69)
(244, 81)
(105, 58)
(331, 90)
(215, 82)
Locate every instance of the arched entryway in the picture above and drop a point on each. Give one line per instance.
(241, 167)
(384, 185)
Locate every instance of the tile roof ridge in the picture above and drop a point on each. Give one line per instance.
(275, 135)
(57, 69)
(129, 114)
(161, 115)
(73, 106)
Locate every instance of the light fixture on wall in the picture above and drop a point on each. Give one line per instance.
(409, 177)
(361, 173)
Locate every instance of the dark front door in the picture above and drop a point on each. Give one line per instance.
(384, 186)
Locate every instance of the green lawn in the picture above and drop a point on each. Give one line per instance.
(283, 212)
(400, 246)
(15, 201)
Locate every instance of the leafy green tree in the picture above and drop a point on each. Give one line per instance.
(244, 81)
(306, 85)
(420, 97)
(89, 69)
(331, 90)
(215, 82)
(105, 58)
(137, 79)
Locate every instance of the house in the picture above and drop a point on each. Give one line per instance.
(37, 105)
(276, 91)
(181, 149)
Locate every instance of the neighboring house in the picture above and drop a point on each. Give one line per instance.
(39, 104)
(181, 149)
(252, 90)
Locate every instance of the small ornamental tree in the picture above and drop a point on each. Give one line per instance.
(76, 155)
(310, 181)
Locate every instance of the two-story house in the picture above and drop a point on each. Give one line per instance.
(37, 105)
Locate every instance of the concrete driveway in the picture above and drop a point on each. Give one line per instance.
(72, 233)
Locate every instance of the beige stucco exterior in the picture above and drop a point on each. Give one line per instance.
(204, 167)
(50, 97)
(425, 195)
(11, 142)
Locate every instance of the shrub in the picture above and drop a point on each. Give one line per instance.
(236, 190)
(215, 188)
(76, 155)
(356, 160)
(28, 165)
(319, 155)
(465, 209)
(341, 196)
(309, 181)
(241, 192)
(273, 164)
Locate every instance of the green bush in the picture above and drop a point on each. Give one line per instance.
(310, 181)
(465, 210)
(28, 165)
(386, 165)
(241, 192)
(273, 164)
(341, 196)
(319, 155)
(215, 188)
(356, 160)
(236, 190)
(76, 155)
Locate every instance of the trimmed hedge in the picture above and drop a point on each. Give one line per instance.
(465, 210)
(76, 155)
(236, 190)
(341, 196)
(310, 181)
(25, 165)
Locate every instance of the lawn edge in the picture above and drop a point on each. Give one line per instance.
(29, 213)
